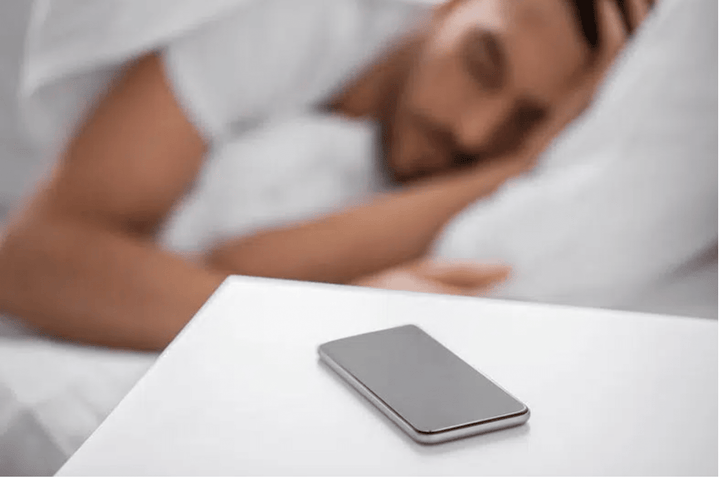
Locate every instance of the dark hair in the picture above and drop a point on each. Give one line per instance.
(586, 12)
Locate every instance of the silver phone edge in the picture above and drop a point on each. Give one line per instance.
(421, 437)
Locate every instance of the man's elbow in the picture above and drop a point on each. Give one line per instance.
(33, 252)
(18, 258)
(26, 244)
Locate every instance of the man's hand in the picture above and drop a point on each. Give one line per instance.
(613, 36)
(441, 277)
(638, 11)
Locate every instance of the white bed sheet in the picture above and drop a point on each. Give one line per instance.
(53, 395)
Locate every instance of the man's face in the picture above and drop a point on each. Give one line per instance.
(488, 72)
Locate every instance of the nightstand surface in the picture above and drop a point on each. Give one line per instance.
(241, 390)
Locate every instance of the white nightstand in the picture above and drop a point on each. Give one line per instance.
(241, 391)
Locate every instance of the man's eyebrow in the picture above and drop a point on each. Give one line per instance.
(484, 58)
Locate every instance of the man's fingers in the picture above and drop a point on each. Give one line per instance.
(441, 277)
(612, 26)
(464, 275)
(637, 12)
(613, 33)
(408, 279)
(613, 36)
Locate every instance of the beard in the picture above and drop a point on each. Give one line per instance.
(403, 63)
(386, 120)
(378, 94)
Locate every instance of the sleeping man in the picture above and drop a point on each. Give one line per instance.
(468, 95)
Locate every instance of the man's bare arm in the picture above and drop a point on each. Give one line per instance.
(85, 282)
(391, 230)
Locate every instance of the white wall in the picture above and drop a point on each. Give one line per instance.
(14, 149)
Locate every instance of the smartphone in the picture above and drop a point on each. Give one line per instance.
(429, 392)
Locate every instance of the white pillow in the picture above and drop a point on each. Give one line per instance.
(292, 169)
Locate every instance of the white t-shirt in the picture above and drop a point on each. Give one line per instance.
(278, 57)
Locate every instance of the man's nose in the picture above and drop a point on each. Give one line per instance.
(469, 138)
(471, 133)
(476, 125)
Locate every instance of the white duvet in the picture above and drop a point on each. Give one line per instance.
(619, 209)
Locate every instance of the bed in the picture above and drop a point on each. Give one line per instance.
(621, 214)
